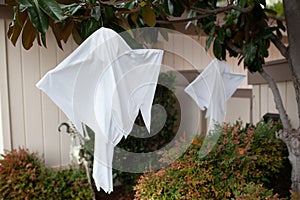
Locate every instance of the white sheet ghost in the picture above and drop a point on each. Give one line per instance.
(103, 84)
(212, 88)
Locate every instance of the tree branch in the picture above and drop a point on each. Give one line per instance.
(181, 20)
(233, 47)
(278, 101)
(281, 47)
(206, 13)
(222, 9)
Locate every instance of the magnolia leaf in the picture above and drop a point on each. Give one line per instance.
(93, 2)
(208, 42)
(76, 36)
(170, 7)
(52, 9)
(178, 8)
(219, 49)
(11, 2)
(71, 9)
(66, 1)
(39, 20)
(96, 13)
(15, 30)
(67, 31)
(28, 35)
(149, 16)
(122, 23)
(43, 36)
(109, 12)
(250, 53)
(134, 17)
(26, 3)
(57, 33)
(221, 35)
(88, 27)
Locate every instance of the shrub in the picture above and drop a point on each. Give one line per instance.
(245, 162)
(24, 176)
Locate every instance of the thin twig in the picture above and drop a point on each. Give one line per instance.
(205, 13)
(222, 9)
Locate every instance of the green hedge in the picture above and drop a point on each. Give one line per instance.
(246, 163)
(24, 176)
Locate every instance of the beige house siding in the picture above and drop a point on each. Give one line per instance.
(31, 119)
(263, 101)
(5, 142)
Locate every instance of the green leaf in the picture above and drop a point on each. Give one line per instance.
(217, 48)
(38, 18)
(228, 32)
(208, 42)
(96, 13)
(28, 35)
(149, 16)
(24, 4)
(71, 9)
(178, 8)
(170, 7)
(93, 2)
(221, 35)
(52, 9)
(109, 12)
(242, 3)
(250, 53)
(88, 27)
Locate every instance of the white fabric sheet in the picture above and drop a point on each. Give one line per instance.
(103, 84)
(212, 88)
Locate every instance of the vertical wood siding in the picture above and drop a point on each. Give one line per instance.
(263, 101)
(5, 142)
(33, 116)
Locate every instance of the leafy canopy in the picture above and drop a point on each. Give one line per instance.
(239, 28)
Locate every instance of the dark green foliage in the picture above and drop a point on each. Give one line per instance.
(24, 176)
(246, 163)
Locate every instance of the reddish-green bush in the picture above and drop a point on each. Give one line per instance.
(246, 163)
(24, 176)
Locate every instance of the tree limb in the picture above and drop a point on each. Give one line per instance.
(222, 9)
(281, 47)
(233, 47)
(181, 20)
(278, 101)
(205, 13)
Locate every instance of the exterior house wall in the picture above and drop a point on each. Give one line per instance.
(263, 99)
(31, 119)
